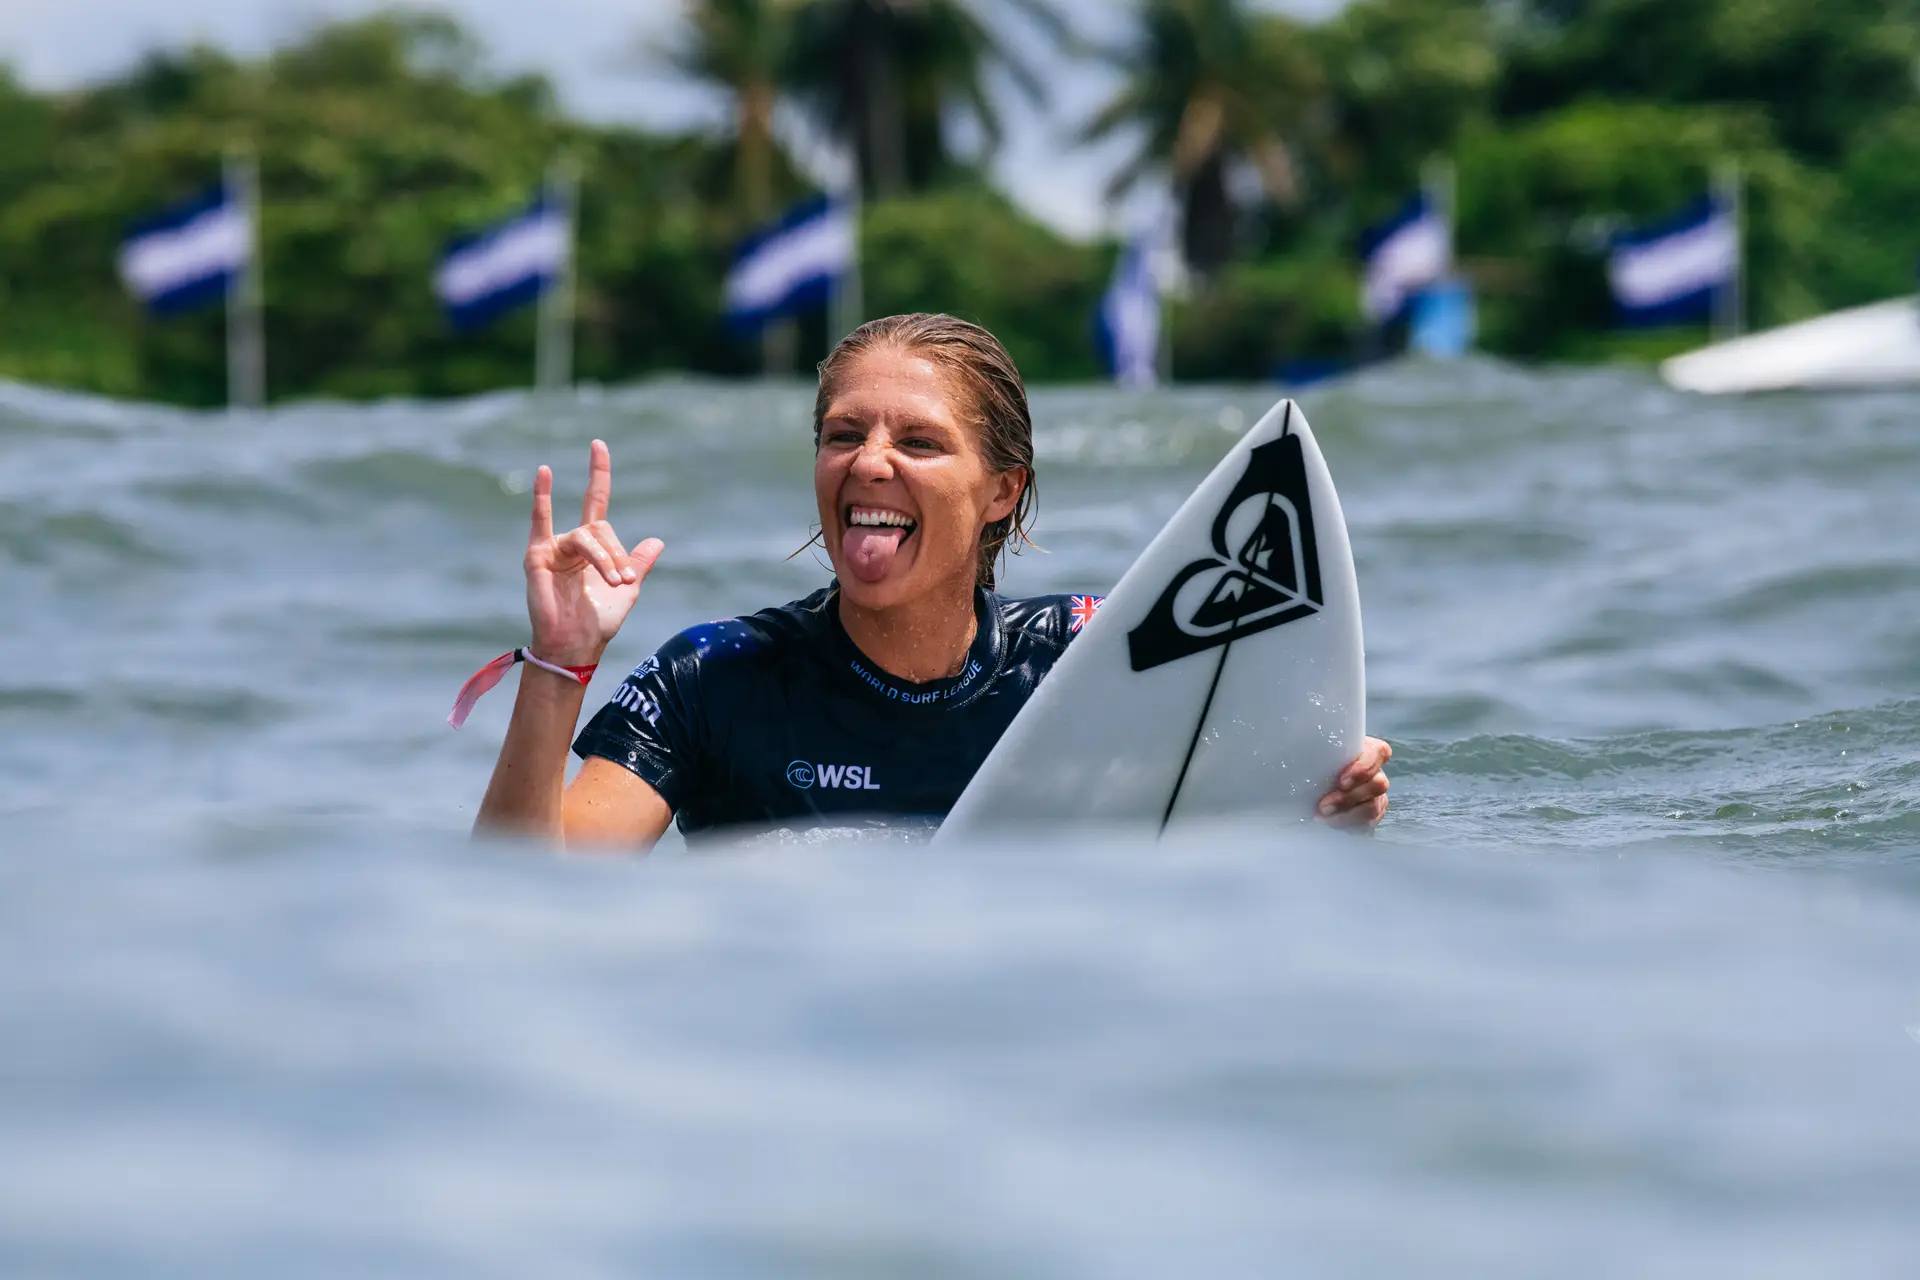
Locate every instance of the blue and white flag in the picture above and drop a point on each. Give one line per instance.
(792, 264)
(508, 265)
(1128, 321)
(1672, 272)
(1402, 256)
(189, 254)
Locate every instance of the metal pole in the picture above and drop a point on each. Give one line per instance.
(847, 305)
(1729, 313)
(1161, 266)
(1163, 342)
(1172, 283)
(553, 360)
(246, 349)
(1437, 179)
(779, 340)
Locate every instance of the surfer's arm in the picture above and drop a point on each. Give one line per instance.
(580, 586)
(1359, 796)
(641, 754)
(524, 795)
(604, 806)
(607, 807)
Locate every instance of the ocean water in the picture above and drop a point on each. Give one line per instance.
(1627, 984)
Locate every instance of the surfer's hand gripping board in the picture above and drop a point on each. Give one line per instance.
(1224, 673)
(1359, 798)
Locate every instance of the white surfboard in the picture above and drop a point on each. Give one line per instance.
(1222, 675)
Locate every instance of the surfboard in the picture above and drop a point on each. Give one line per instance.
(1223, 674)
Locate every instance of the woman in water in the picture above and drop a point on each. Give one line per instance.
(901, 675)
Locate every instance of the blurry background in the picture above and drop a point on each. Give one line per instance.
(1005, 148)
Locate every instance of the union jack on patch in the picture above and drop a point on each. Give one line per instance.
(1080, 610)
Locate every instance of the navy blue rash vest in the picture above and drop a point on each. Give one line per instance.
(778, 720)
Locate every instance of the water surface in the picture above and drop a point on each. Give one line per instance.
(1629, 983)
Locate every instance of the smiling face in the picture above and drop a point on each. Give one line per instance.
(903, 486)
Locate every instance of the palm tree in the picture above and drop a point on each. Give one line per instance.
(740, 45)
(879, 75)
(1209, 84)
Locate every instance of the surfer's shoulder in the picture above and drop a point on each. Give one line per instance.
(1051, 619)
(748, 639)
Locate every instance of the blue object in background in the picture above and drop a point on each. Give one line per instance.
(1401, 256)
(1672, 273)
(1442, 325)
(1127, 324)
(791, 264)
(506, 266)
(189, 254)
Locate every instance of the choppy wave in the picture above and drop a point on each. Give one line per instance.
(1843, 784)
(1577, 570)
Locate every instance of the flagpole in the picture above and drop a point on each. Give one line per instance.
(1166, 269)
(1163, 346)
(1729, 319)
(246, 349)
(553, 356)
(847, 305)
(1439, 182)
(777, 343)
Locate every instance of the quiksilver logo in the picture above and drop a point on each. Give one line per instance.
(846, 777)
(631, 696)
(1265, 571)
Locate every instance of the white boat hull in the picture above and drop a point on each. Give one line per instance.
(1871, 346)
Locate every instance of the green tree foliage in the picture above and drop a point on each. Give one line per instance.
(1615, 111)
(379, 139)
(376, 141)
(1816, 69)
(1567, 119)
(1016, 278)
(882, 76)
(1872, 235)
(1552, 191)
(742, 46)
(1404, 80)
(1262, 316)
(1207, 84)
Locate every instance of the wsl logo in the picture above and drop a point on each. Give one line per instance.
(1266, 571)
(846, 777)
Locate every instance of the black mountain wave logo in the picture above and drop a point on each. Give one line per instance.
(1266, 572)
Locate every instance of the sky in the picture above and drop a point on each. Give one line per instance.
(589, 49)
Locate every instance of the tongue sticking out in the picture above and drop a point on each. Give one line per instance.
(868, 550)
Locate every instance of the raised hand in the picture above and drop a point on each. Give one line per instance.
(582, 583)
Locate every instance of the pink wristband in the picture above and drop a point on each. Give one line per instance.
(490, 675)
